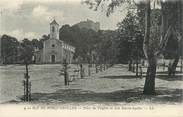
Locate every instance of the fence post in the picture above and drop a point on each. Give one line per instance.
(133, 67)
(66, 75)
(101, 68)
(130, 65)
(104, 66)
(81, 71)
(137, 66)
(89, 72)
(181, 65)
(141, 72)
(96, 67)
(163, 66)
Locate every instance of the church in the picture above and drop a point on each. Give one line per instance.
(54, 50)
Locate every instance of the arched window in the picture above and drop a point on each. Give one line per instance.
(53, 29)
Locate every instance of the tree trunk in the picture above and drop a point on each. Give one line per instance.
(89, 70)
(137, 66)
(81, 71)
(149, 87)
(133, 66)
(172, 66)
(130, 65)
(181, 65)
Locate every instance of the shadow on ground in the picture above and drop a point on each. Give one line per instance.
(162, 77)
(166, 72)
(121, 77)
(163, 95)
(170, 78)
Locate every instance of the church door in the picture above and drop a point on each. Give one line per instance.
(53, 58)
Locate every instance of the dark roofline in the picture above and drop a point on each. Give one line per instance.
(54, 22)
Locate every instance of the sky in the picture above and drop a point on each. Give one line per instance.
(30, 18)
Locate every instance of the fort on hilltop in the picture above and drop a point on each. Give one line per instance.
(89, 24)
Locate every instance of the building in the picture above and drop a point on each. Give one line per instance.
(89, 24)
(54, 50)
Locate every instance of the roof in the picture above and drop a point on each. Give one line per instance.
(54, 22)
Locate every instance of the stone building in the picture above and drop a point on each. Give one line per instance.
(54, 50)
(89, 24)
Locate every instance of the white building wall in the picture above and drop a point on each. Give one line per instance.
(49, 50)
(55, 34)
(60, 50)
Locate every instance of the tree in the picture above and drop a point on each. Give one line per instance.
(26, 51)
(130, 35)
(149, 87)
(9, 49)
(88, 42)
(36, 43)
(105, 47)
(150, 43)
(41, 41)
(14, 51)
(172, 31)
(127, 30)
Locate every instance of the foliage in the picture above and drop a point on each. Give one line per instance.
(111, 4)
(26, 51)
(106, 48)
(86, 41)
(20, 52)
(130, 38)
(9, 49)
(172, 17)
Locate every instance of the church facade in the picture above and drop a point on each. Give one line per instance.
(54, 50)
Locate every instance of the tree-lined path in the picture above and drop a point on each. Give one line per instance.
(115, 85)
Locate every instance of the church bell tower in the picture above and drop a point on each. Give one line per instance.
(54, 30)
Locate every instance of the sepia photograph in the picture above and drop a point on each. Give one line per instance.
(96, 57)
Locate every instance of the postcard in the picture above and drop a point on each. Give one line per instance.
(91, 58)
